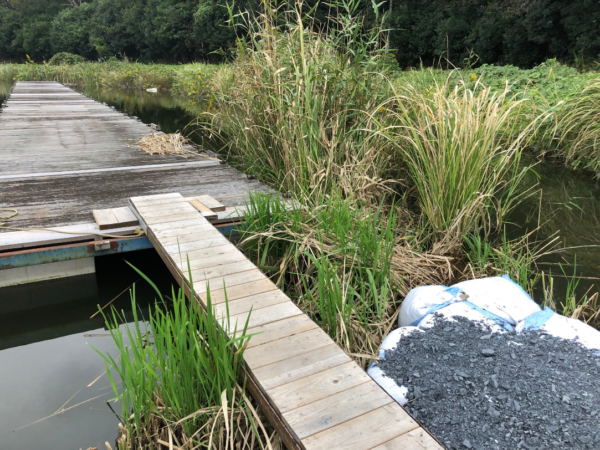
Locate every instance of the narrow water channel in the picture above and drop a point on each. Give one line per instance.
(47, 339)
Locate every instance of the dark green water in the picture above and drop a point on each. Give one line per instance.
(46, 357)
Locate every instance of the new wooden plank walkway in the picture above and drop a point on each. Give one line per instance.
(314, 394)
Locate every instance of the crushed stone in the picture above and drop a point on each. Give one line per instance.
(475, 389)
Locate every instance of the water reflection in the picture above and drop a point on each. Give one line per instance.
(54, 387)
(566, 206)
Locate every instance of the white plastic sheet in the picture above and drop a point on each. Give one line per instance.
(500, 296)
(398, 393)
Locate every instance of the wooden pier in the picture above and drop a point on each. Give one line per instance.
(64, 155)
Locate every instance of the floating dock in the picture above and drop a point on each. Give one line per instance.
(64, 156)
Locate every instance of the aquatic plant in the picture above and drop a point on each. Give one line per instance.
(462, 150)
(181, 379)
(586, 308)
(576, 136)
(335, 261)
(297, 114)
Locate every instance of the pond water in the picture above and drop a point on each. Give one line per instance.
(46, 358)
(53, 386)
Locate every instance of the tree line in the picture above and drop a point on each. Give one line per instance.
(523, 33)
(145, 30)
(447, 32)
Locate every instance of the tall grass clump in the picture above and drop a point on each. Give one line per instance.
(297, 114)
(462, 150)
(337, 261)
(180, 380)
(386, 179)
(576, 137)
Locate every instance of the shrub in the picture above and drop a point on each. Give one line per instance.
(65, 59)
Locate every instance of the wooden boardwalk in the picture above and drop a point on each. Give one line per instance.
(314, 394)
(63, 154)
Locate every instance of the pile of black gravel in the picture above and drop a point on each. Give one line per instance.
(474, 389)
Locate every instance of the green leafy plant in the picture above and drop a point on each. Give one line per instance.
(65, 59)
(462, 150)
(180, 378)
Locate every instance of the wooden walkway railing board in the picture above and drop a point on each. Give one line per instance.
(313, 393)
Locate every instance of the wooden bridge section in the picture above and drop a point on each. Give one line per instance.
(63, 155)
(314, 394)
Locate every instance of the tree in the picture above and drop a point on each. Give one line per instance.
(70, 31)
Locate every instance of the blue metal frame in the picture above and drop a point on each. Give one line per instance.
(67, 252)
(32, 257)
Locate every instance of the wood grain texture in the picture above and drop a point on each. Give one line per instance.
(317, 386)
(269, 314)
(211, 203)
(336, 409)
(105, 219)
(63, 156)
(301, 366)
(364, 432)
(417, 439)
(125, 217)
(286, 347)
(253, 302)
(234, 292)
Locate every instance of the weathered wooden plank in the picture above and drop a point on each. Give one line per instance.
(188, 243)
(204, 210)
(253, 302)
(226, 256)
(234, 292)
(211, 203)
(151, 211)
(269, 314)
(199, 205)
(166, 220)
(36, 238)
(300, 366)
(417, 439)
(286, 347)
(222, 270)
(282, 328)
(125, 217)
(198, 231)
(229, 281)
(105, 218)
(318, 386)
(191, 222)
